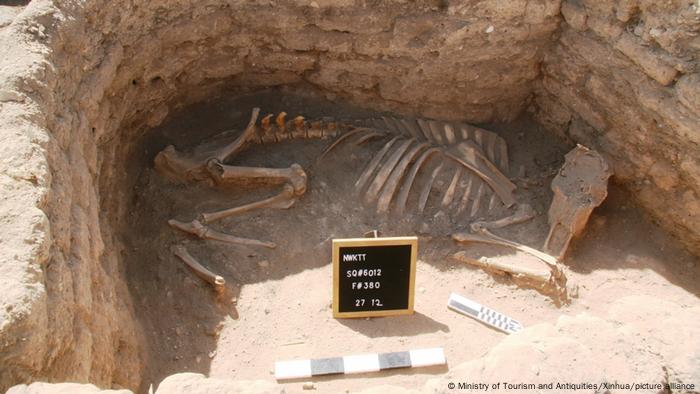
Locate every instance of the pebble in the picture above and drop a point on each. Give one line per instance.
(308, 386)
(421, 289)
(490, 29)
(264, 263)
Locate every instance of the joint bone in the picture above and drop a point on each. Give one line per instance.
(215, 280)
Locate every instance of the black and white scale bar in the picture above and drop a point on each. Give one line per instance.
(485, 315)
(295, 369)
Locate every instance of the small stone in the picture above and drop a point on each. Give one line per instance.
(421, 289)
(489, 29)
(212, 354)
(267, 311)
(314, 4)
(308, 386)
(264, 263)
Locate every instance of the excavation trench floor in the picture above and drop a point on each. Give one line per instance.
(277, 304)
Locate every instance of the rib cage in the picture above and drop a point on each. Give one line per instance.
(476, 160)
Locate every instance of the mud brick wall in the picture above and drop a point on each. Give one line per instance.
(623, 77)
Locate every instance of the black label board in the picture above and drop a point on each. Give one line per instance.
(373, 276)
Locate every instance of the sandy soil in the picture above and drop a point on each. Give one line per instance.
(277, 304)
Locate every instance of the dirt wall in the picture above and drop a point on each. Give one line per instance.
(624, 77)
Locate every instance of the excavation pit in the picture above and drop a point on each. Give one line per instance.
(90, 93)
(277, 303)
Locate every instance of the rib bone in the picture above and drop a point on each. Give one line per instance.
(385, 170)
(425, 193)
(393, 182)
(408, 182)
(473, 160)
(215, 280)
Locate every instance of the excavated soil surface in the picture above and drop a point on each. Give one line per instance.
(278, 302)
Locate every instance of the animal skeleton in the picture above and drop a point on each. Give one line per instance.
(387, 180)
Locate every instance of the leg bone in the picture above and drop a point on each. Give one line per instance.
(284, 200)
(215, 280)
(195, 227)
(522, 214)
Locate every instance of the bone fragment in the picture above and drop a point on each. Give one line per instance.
(195, 227)
(215, 280)
(579, 187)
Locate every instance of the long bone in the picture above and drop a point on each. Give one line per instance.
(238, 175)
(215, 280)
(485, 236)
(283, 200)
(540, 276)
(195, 227)
(522, 214)
(552, 281)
